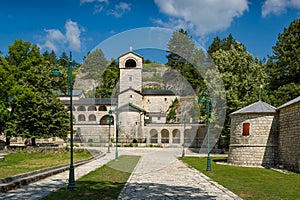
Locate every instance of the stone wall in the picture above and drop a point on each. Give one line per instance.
(260, 147)
(289, 137)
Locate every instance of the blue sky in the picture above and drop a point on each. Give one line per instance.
(80, 25)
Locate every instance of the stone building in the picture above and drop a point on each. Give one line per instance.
(262, 135)
(138, 114)
(289, 135)
(253, 136)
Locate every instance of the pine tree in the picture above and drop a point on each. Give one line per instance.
(284, 65)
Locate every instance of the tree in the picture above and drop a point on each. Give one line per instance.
(182, 55)
(284, 65)
(5, 83)
(51, 57)
(94, 64)
(242, 76)
(171, 112)
(224, 44)
(36, 111)
(109, 80)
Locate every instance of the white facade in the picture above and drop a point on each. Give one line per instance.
(138, 114)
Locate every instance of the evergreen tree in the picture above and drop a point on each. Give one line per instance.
(182, 55)
(109, 80)
(284, 65)
(51, 57)
(93, 65)
(224, 44)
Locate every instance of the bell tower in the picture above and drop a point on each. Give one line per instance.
(131, 66)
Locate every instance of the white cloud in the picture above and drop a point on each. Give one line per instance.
(120, 9)
(278, 7)
(55, 39)
(73, 35)
(201, 17)
(54, 34)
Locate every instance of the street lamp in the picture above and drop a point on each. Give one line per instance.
(207, 106)
(117, 137)
(184, 122)
(109, 123)
(56, 72)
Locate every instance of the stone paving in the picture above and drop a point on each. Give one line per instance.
(158, 176)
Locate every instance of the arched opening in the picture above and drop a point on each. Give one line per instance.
(153, 136)
(92, 117)
(81, 117)
(188, 136)
(176, 136)
(81, 108)
(104, 120)
(92, 108)
(130, 63)
(164, 136)
(102, 108)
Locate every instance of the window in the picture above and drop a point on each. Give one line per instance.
(102, 108)
(81, 118)
(92, 108)
(81, 108)
(131, 96)
(246, 129)
(92, 118)
(130, 78)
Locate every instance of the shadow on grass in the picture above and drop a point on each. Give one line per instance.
(104, 190)
(89, 190)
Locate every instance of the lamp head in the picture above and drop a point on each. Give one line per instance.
(56, 73)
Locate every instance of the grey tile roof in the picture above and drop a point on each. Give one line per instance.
(93, 101)
(131, 52)
(158, 92)
(131, 107)
(75, 93)
(296, 100)
(257, 107)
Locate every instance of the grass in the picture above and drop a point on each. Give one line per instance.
(22, 162)
(251, 183)
(104, 183)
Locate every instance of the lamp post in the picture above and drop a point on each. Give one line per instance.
(207, 109)
(56, 72)
(117, 136)
(109, 123)
(184, 122)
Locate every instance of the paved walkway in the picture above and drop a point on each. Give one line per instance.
(158, 176)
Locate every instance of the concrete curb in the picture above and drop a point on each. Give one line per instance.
(20, 180)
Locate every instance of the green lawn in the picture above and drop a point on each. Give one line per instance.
(104, 183)
(21, 162)
(251, 183)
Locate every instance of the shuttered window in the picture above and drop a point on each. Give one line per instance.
(246, 129)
